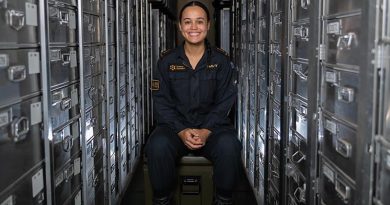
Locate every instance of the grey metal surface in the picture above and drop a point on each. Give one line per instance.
(62, 23)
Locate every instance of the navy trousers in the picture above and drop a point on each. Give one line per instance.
(165, 148)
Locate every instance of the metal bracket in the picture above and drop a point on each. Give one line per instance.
(344, 148)
(322, 52)
(4, 60)
(346, 42)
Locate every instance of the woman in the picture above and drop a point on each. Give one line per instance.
(194, 89)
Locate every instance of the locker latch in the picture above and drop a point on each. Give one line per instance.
(67, 143)
(345, 94)
(17, 73)
(64, 17)
(19, 128)
(66, 103)
(15, 19)
(343, 190)
(347, 41)
(344, 148)
(299, 194)
(298, 157)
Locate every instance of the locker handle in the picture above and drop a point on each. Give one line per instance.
(95, 181)
(15, 19)
(345, 94)
(92, 92)
(112, 168)
(298, 69)
(299, 194)
(19, 128)
(65, 58)
(68, 173)
(305, 4)
(64, 17)
(66, 103)
(298, 157)
(343, 190)
(67, 143)
(111, 100)
(344, 148)
(112, 138)
(17, 73)
(346, 41)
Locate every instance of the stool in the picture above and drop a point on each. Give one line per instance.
(195, 182)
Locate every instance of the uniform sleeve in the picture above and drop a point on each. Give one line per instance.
(226, 95)
(164, 107)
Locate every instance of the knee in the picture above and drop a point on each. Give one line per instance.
(228, 145)
(158, 145)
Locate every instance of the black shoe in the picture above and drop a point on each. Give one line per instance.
(167, 200)
(220, 200)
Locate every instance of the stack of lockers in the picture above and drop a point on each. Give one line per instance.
(71, 116)
(22, 139)
(312, 111)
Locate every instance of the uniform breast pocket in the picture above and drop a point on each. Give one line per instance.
(179, 85)
(208, 86)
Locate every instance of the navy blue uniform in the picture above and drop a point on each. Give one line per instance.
(193, 98)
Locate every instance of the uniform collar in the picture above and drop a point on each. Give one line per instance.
(205, 58)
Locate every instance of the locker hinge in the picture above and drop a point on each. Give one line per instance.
(290, 50)
(316, 184)
(322, 52)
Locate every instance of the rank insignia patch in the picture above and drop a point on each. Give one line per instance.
(212, 66)
(155, 85)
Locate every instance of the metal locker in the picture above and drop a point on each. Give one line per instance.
(299, 10)
(340, 93)
(62, 23)
(20, 137)
(299, 76)
(93, 90)
(111, 62)
(65, 105)
(111, 25)
(19, 74)
(91, 6)
(334, 187)
(91, 27)
(277, 27)
(92, 60)
(334, 7)
(298, 115)
(66, 143)
(339, 144)
(300, 41)
(63, 66)
(28, 190)
(19, 24)
(342, 40)
(382, 171)
(67, 181)
(76, 198)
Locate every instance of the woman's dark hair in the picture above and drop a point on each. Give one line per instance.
(195, 3)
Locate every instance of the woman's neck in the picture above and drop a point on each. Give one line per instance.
(194, 50)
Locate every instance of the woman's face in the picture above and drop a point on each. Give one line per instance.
(194, 25)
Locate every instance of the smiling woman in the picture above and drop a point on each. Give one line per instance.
(195, 90)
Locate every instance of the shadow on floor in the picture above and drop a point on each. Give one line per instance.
(135, 194)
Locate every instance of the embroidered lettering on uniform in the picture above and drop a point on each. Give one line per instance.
(212, 66)
(155, 85)
(176, 68)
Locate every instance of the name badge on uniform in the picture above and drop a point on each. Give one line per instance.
(155, 85)
(212, 66)
(176, 68)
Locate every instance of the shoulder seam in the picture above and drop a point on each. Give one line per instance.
(220, 50)
(166, 52)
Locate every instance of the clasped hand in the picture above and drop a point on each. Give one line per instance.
(194, 138)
